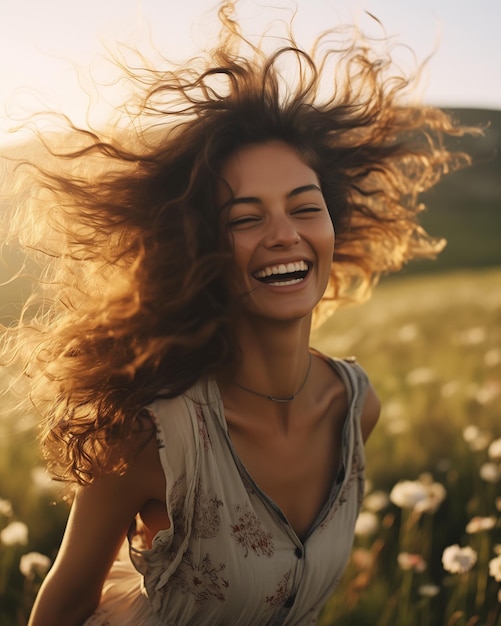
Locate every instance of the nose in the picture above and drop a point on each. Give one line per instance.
(281, 232)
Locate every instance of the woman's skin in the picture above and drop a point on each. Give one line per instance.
(277, 215)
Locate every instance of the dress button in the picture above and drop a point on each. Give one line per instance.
(290, 601)
(299, 553)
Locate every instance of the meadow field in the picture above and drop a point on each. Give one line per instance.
(428, 545)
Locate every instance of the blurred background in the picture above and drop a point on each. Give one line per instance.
(430, 337)
(51, 57)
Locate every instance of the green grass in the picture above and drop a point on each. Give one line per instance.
(432, 347)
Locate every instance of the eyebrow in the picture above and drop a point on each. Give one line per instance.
(256, 200)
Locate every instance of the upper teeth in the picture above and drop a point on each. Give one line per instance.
(298, 266)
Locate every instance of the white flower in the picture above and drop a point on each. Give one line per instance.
(470, 433)
(490, 472)
(421, 495)
(421, 376)
(477, 524)
(393, 410)
(367, 524)
(471, 336)
(495, 450)
(428, 591)
(481, 442)
(476, 438)
(408, 561)
(14, 533)
(407, 493)
(394, 415)
(488, 392)
(33, 565)
(495, 568)
(407, 333)
(436, 494)
(376, 501)
(458, 560)
(449, 389)
(5, 508)
(492, 357)
(397, 427)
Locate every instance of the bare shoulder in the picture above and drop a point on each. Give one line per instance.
(143, 460)
(370, 412)
(371, 408)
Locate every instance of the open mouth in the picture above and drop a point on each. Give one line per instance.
(283, 274)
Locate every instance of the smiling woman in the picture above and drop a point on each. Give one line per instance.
(280, 230)
(183, 260)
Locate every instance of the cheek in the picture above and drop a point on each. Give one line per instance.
(327, 243)
(241, 252)
(332, 238)
(328, 238)
(328, 257)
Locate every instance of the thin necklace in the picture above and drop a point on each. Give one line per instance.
(278, 398)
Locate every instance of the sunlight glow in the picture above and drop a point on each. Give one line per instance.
(51, 51)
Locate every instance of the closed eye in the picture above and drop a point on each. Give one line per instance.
(307, 209)
(243, 221)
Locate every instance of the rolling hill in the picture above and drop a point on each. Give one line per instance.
(465, 207)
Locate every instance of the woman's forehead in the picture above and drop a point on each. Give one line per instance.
(265, 168)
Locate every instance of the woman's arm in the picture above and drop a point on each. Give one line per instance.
(99, 520)
(370, 413)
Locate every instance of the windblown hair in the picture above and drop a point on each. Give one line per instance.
(132, 298)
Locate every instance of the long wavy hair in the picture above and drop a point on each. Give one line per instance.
(131, 299)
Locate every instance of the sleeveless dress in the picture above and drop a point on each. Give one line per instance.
(230, 557)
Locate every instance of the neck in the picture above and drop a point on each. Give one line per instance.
(275, 359)
(280, 399)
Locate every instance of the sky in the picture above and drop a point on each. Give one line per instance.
(42, 41)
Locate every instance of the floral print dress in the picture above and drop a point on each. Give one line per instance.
(230, 558)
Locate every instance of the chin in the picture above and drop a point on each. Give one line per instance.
(285, 315)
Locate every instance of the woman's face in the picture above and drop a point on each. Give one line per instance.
(279, 231)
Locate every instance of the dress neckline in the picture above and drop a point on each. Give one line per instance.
(340, 366)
